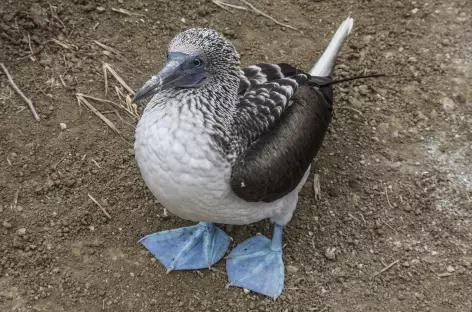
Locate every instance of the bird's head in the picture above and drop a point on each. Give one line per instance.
(193, 57)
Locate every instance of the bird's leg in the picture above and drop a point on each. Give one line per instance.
(188, 248)
(256, 264)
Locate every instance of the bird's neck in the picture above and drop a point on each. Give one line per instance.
(212, 108)
(216, 100)
(223, 90)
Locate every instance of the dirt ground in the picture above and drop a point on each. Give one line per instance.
(391, 231)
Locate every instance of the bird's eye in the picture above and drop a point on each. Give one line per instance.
(197, 62)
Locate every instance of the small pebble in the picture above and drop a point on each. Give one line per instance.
(450, 269)
(448, 104)
(63, 126)
(21, 231)
(292, 269)
(246, 291)
(7, 225)
(330, 253)
(401, 297)
(419, 296)
(100, 9)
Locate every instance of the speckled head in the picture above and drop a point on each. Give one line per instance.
(195, 57)
(217, 53)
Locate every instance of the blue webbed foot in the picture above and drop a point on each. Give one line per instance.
(188, 248)
(256, 264)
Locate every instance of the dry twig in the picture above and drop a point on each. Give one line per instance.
(126, 12)
(108, 48)
(388, 200)
(388, 267)
(223, 5)
(267, 16)
(362, 216)
(67, 46)
(217, 271)
(354, 218)
(101, 207)
(391, 227)
(14, 86)
(117, 77)
(316, 186)
(96, 163)
(131, 110)
(351, 108)
(82, 100)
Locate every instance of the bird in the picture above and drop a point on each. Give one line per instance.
(218, 143)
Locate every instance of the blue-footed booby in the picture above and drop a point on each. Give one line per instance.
(218, 143)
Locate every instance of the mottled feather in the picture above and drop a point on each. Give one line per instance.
(282, 117)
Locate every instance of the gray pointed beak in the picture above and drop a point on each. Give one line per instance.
(161, 81)
(150, 88)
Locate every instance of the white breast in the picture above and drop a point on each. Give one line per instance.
(179, 164)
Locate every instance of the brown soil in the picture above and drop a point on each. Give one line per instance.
(395, 170)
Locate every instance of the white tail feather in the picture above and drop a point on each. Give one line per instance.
(325, 63)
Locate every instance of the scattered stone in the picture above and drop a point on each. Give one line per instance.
(246, 291)
(448, 104)
(291, 269)
(21, 231)
(100, 9)
(63, 126)
(450, 269)
(419, 296)
(7, 225)
(229, 33)
(330, 253)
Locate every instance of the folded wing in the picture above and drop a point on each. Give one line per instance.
(281, 120)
